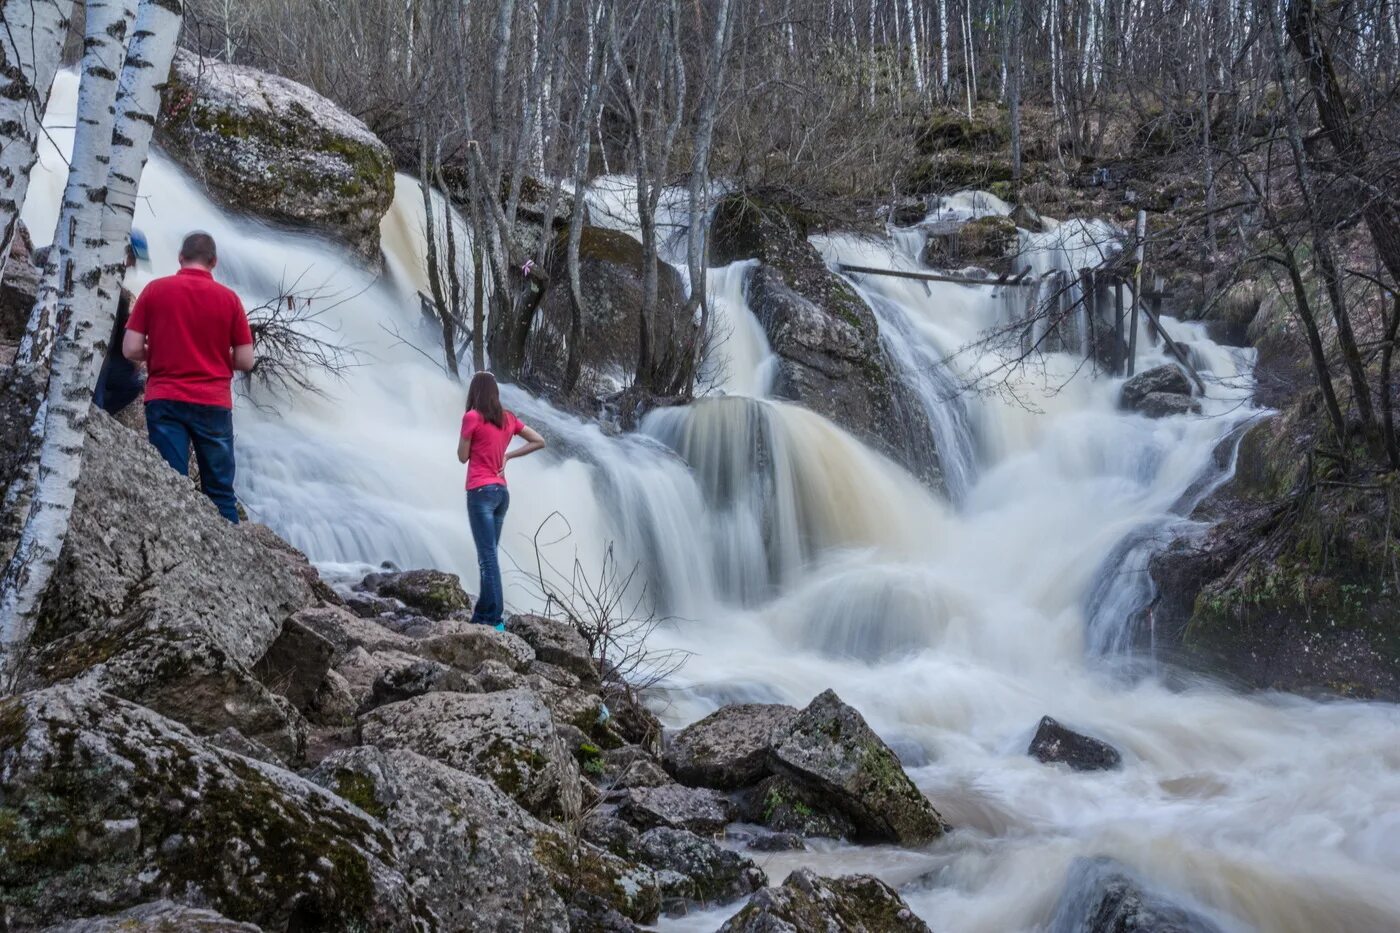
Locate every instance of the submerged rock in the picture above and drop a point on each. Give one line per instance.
(158, 599)
(832, 754)
(506, 737)
(1101, 896)
(808, 902)
(1054, 743)
(466, 848)
(264, 144)
(728, 749)
(105, 805)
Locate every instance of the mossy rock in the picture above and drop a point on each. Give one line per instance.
(950, 171)
(107, 805)
(268, 146)
(987, 130)
(806, 901)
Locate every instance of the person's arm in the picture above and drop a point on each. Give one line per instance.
(533, 443)
(464, 449)
(464, 439)
(134, 346)
(242, 358)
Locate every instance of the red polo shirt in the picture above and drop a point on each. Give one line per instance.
(192, 324)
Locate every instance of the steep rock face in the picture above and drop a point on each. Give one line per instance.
(269, 146)
(611, 274)
(830, 751)
(466, 847)
(106, 805)
(505, 737)
(826, 338)
(158, 599)
(808, 902)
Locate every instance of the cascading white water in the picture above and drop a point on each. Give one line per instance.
(796, 559)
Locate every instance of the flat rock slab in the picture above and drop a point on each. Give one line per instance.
(832, 753)
(507, 738)
(806, 903)
(105, 805)
(697, 809)
(728, 749)
(1053, 743)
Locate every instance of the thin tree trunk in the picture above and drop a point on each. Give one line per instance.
(1014, 69)
(32, 33)
(444, 316)
(66, 324)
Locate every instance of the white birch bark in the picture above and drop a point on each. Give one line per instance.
(31, 44)
(943, 45)
(914, 58)
(65, 326)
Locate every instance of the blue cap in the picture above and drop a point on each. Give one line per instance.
(137, 239)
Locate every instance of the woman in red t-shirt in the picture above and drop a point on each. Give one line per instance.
(487, 429)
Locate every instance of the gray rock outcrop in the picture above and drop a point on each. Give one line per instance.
(157, 917)
(1158, 393)
(266, 145)
(157, 599)
(433, 593)
(729, 748)
(696, 809)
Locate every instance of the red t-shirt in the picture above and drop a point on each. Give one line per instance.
(489, 443)
(191, 324)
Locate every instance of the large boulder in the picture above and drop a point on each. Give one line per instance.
(1054, 743)
(696, 809)
(506, 737)
(728, 749)
(264, 144)
(806, 901)
(1161, 380)
(158, 599)
(991, 242)
(1101, 896)
(611, 271)
(105, 805)
(830, 751)
(466, 848)
(826, 338)
(557, 643)
(471, 645)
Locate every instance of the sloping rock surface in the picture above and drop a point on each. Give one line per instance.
(727, 749)
(808, 903)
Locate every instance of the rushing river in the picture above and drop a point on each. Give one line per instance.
(953, 620)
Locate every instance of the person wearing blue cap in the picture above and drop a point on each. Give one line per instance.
(119, 383)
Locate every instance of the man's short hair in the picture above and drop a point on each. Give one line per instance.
(199, 247)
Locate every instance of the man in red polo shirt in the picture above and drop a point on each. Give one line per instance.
(192, 334)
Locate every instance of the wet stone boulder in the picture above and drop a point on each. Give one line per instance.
(1158, 393)
(784, 806)
(696, 809)
(105, 805)
(556, 643)
(694, 870)
(434, 593)
(158, 599)
(1101, 896)
(729, 748)
(266, 145)
(507, 738)
(990, 242)
(830, 752)
(807, 901)
(1054, 743)
(466, 848)
(157, 917)
(611, 266)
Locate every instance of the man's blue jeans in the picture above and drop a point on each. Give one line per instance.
(486, 510)
(174, 426)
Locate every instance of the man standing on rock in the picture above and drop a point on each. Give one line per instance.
(192, 333)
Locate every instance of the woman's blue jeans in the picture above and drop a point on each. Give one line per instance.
(486, 510)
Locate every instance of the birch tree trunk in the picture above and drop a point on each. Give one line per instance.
(31, 44)
(67, 324)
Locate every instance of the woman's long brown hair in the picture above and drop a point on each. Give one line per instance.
(484, 398)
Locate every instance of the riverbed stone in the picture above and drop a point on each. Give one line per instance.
(832, 753)
(506, 737)
(809, 902)
(697, 809)
(1054, 742)
(1102, 896)
(1160, 380)
(728, 749)
(79, 768)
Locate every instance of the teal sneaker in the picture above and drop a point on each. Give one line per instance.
(500, 626)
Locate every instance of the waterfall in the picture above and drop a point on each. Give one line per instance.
(793, 558)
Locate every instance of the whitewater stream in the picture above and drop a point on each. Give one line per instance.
(952, 620)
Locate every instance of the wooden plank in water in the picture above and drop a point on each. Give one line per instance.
(1020, 280)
